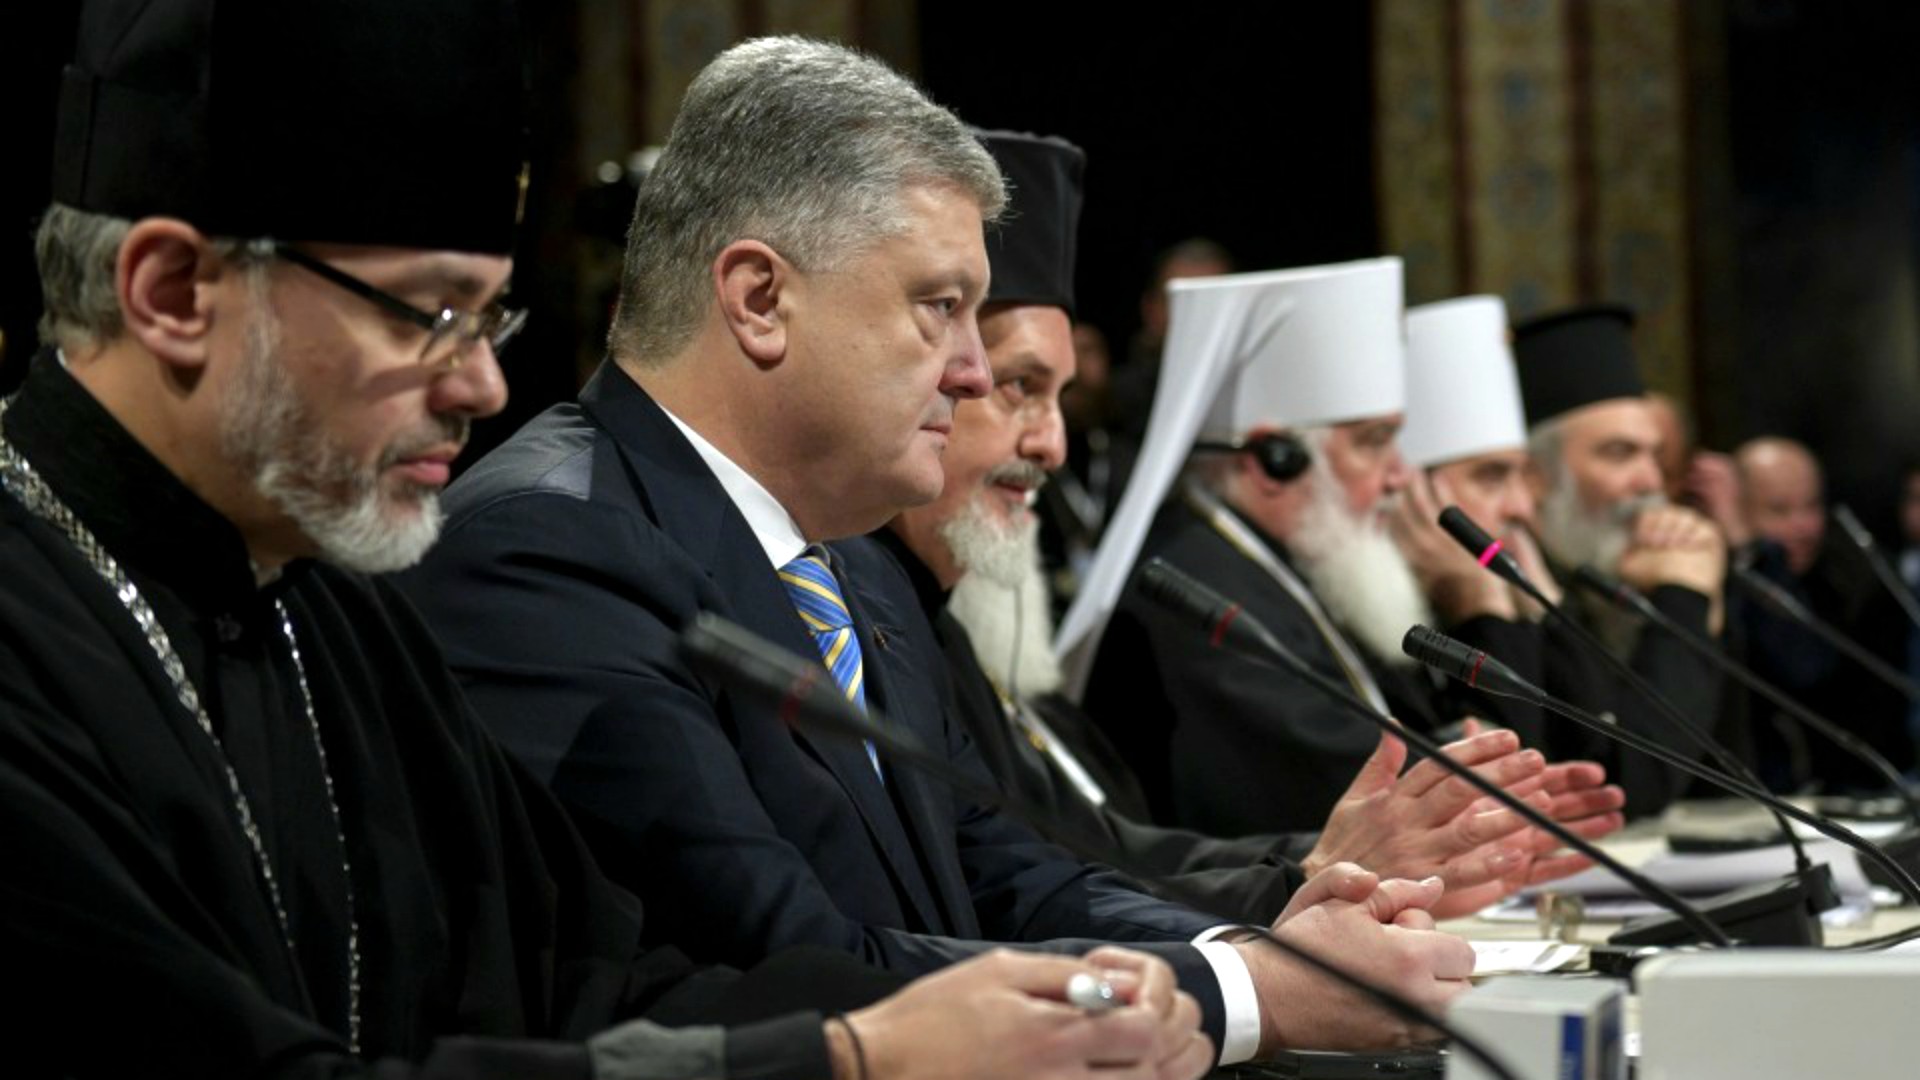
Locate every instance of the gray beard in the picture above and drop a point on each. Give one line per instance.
(1357, 573)
(1575, 536)
(1001, 599)
(336, 503)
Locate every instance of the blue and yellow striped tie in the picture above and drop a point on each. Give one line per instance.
(816, 596)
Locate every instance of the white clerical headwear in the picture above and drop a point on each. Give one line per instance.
(1338, 354)
(1463, 395)
(1287, 348)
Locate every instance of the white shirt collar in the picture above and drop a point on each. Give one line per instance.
(770, 522)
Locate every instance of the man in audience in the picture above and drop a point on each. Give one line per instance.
(1783, 498)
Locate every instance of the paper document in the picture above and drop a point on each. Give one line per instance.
(1522, 957)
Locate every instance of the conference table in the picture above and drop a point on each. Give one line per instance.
(1639, 845)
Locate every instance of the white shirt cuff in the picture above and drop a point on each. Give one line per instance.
(1241, 1040)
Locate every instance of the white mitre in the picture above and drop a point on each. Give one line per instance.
(1285, 348)
(1463, 393)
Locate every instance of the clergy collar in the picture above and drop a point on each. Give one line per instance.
(138, 510)
(926, 585)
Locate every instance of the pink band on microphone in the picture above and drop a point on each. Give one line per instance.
(1487, 555)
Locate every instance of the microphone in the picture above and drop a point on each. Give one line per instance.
(1787, 604)
(1487, 550)
(1229, 627)
(1906, 846)
(1443, 653)
(1863, 540)
(743, 661)
(1471, 536)
(1629, 599)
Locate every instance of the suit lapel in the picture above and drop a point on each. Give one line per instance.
(688, 504)
(897, 664)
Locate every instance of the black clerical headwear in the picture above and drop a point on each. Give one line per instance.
(392, 122)
(1575, 357)
(1032, 249)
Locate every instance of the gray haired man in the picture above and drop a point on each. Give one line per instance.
(799, 320)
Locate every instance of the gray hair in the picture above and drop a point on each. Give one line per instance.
(1545, 441)
(805, 146)
(77, 251)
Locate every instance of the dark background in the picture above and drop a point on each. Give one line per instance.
(1251, 124)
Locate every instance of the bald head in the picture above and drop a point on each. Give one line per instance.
(1783, 496)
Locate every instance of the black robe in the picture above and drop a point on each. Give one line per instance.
(139, 940)
(1573, 672)
(1244, 879)
(1229, 747)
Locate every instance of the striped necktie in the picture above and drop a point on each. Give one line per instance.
(816, 596)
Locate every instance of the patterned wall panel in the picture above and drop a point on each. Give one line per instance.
(834, 20)
(1416, 156)
(1569, 175)
(1518, 130)
(679, 37)
(1640, 164)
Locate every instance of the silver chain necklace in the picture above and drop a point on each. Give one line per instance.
(18, 477)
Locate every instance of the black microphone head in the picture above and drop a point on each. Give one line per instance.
(1469, 665)
(1176, 591)
(1430, 647)
(1483, 547)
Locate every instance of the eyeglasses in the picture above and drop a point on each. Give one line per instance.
(451, 334)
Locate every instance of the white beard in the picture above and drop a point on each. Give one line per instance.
(336, 503)
(1357, 573)
(1001, 599)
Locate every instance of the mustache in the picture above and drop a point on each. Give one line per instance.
(1019, 474)
(438, 431)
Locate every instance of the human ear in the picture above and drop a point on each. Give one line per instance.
(750, 280)
(161, 276)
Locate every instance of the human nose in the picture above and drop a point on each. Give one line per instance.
(1646, 478)
(967, 374)
(1044, 442)
(1516, 499)
(1397, 475)
(475, 387)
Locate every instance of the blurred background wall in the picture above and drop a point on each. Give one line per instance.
(1745, 172)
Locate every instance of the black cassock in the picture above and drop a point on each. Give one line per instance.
(1230, 747)
(137, 935)
(1241, 879)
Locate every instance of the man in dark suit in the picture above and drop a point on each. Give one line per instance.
(976, 546)
(797, 322)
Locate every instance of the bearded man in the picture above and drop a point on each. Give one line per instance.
(1595, 474)
(1284, 511)
(973, 557)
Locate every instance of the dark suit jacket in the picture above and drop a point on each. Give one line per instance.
(572, 557)
(1226, 746)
